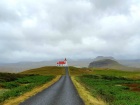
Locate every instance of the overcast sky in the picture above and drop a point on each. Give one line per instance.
(37, 30)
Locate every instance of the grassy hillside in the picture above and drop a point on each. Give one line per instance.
(113, 86)
(103, 71)
(113, 90)
(111, 64)
(6, 77)
(13, 85)
(48, 70)
(79, 71)
(111, 72)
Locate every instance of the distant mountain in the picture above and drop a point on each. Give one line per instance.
(112, 64)
(104, 63)
(22, 66)
(102, 58)
(130, 63)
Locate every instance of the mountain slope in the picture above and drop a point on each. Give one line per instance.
(104, 63)
(112, 64)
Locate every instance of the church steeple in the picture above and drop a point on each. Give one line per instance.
(62, 63)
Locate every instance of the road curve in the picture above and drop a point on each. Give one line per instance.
(62, 92)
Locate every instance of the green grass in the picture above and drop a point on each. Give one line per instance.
(48, 70)
(20, 84)
(111, 85)
(112, 89)
(12, 85)
(79, 71)
(3, 91)
(5, 77)
(110, 72)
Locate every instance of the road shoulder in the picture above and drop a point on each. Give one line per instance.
(17, 100)
(85, 94)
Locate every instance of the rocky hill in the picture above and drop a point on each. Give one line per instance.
(104, 63)
(112, 64)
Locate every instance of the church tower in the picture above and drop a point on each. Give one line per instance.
(66, 64)
(62, 63)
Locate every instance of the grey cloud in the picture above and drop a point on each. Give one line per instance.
(112, 6)
(8, 13)
(52, 29)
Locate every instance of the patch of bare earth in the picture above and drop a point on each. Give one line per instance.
(133, 87)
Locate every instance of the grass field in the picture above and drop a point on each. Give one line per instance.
(79, 71)
(110, 72)
(12, 85)
(114, 87)
(48, 70)
(18, 84)
(3, 91)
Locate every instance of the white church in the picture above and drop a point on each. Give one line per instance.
(62, 63)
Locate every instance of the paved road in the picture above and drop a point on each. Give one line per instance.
(62, 92)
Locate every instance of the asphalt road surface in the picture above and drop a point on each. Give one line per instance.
(62, 92)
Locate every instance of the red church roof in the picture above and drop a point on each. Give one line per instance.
(61, 62)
